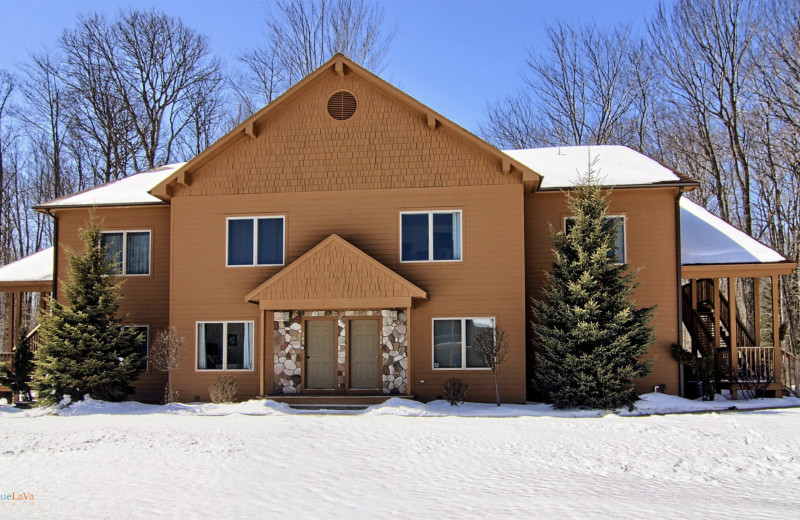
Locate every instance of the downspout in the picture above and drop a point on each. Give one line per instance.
(679, 257)
(55, 252)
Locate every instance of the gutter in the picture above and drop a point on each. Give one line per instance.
(55, 251)
(679, 254)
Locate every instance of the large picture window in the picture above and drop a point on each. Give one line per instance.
(129, 251)
(617, 252)
(430, 236)
(453, 342)
(255, 241)
(225, 345)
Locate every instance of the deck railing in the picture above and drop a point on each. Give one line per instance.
(790, 371)
(6, 357)
(754, 365)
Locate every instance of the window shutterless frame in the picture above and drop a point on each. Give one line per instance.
(146, 341)
(624, 233)
(463, 321)
(431, 213)
(254, 220)
(124, 258)
(224, 346)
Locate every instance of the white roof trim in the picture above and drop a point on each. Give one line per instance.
(37, 267)
(132, 190)
(707, 239)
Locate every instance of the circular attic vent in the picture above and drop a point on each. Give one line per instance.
(342, 105)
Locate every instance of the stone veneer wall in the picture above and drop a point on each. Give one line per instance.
(288, 349)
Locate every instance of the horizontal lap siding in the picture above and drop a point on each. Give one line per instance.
(145, 298)
(650, 222)
(488, 282)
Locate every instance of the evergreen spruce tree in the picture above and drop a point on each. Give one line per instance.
(590, 335)
(18, 379)
(83, 351)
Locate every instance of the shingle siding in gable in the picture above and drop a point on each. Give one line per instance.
(384, 145)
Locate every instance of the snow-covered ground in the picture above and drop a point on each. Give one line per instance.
(401, 460)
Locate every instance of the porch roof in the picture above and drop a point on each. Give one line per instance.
(335, 275)
(711, 245)
(33, 273)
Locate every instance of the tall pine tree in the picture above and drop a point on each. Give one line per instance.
(590, 334)
(83, 349)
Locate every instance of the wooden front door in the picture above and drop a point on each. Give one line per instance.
(365, 352)
(320, 336)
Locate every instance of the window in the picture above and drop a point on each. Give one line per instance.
(617, 251)
(255, 241)
(225, 345)
(143, 347)
(430, 236)
(452, 342)
(128, 250)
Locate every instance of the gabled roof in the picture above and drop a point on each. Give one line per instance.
(128, 191)
(31, 273)
(562, 167)
(338, 275)
(341, 65)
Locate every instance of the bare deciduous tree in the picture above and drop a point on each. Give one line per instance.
(492, 347)
(587, 87)
(165, 355)
(300, 36)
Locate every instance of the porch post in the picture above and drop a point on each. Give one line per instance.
(262, 350)
(410, 370)
(11, 308)
(757, 310)
(694, 294)
(18, 317)
(717, 328)
(776, 324)
(733, 326)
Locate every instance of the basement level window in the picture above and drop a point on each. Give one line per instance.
(255, 241)
(453, 342)
(129, 251)
(225, 345)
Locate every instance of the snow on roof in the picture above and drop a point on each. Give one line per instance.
(131, 190)
(707, 239)
(37, 267)
(564, 166)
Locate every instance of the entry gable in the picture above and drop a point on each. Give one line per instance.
(343, 128)
(335, 275)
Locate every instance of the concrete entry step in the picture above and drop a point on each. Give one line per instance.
(332, 401)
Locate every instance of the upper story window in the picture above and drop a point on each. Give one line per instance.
(618, 252)
(128, 250)
(255, 241)
(453, 345)
(430, 236)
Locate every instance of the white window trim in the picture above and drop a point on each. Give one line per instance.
(430, 214)
(225, 348)
(255, 240)
(125, 249)
(463, 341)
(624, 233)
(147, 340)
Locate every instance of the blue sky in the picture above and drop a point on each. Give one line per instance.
(454, 56)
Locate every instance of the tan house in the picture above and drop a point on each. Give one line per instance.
(347, 240)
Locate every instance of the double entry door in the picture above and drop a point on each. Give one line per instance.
(362, 358)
